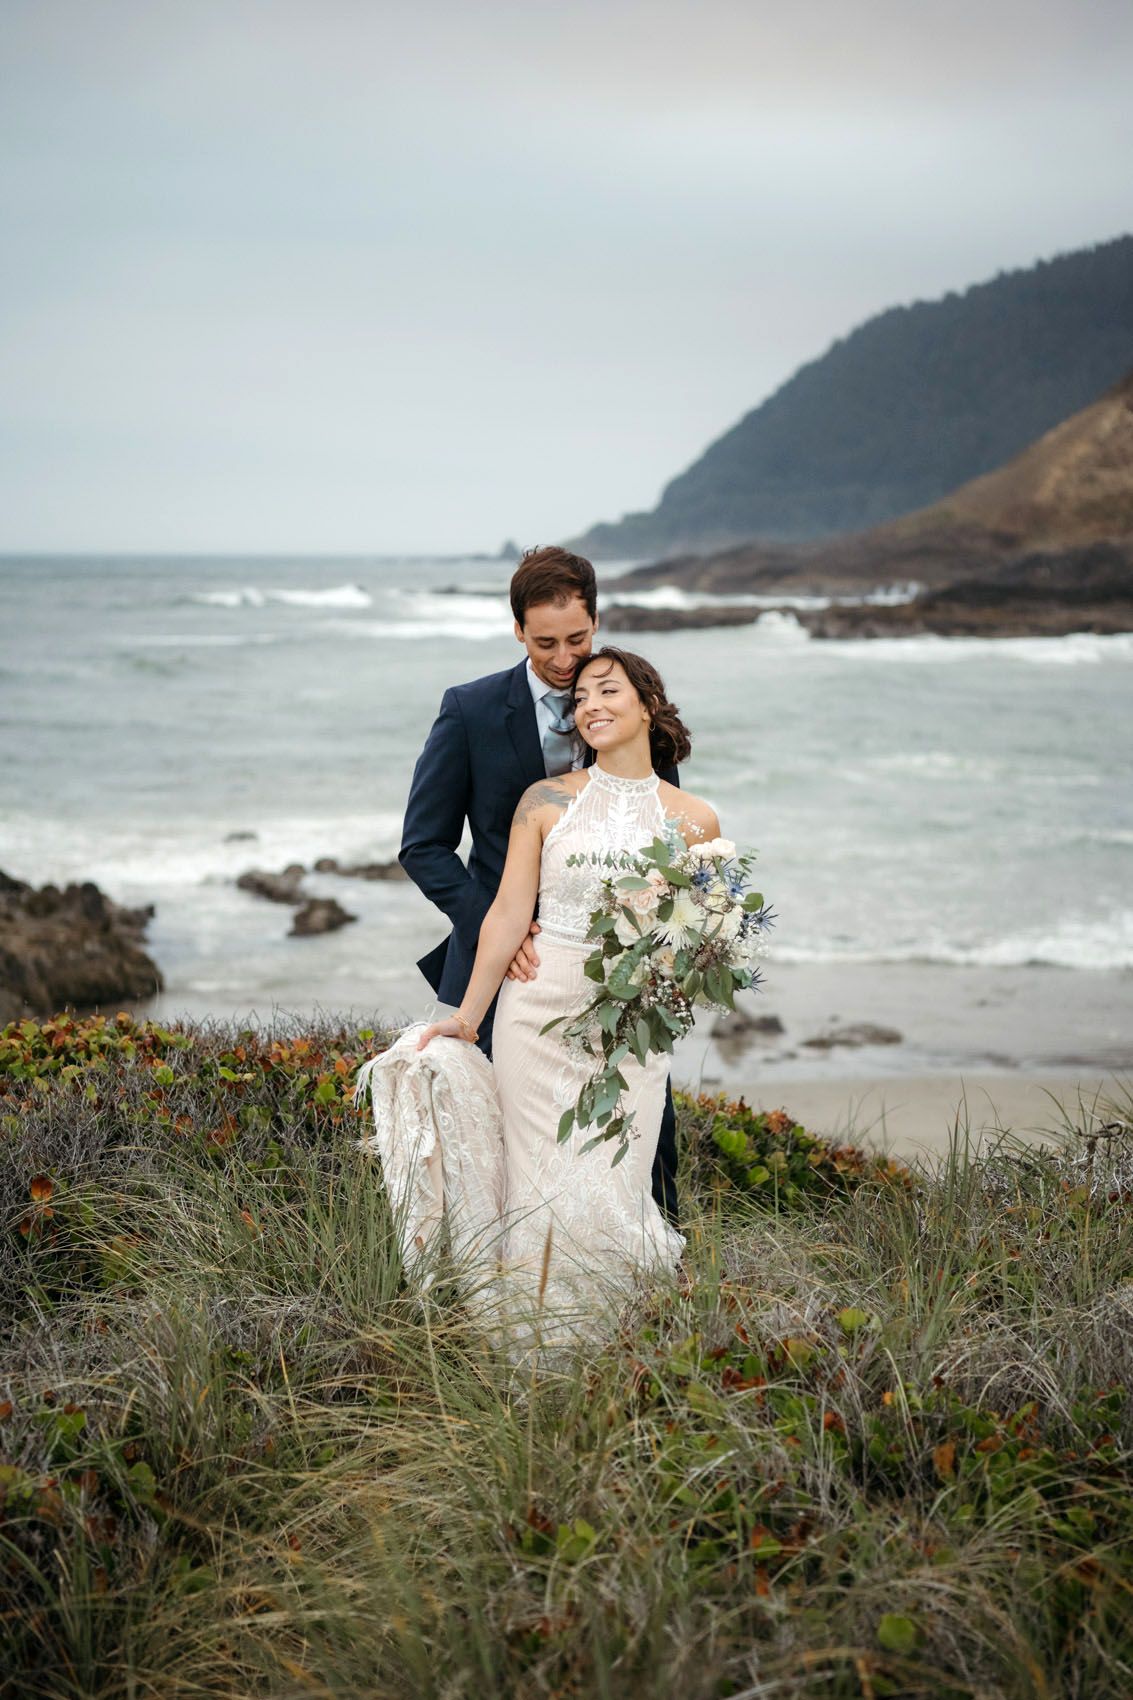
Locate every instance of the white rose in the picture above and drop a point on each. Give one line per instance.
(643, 904)
(624, 930)
(713, 849)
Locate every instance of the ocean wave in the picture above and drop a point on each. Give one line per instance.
(412, 631)
(202, 640)
(250, 596)
(1099, 943)
(1075, 649)
(134, 859)
(669, 596)
(429, 614)
(338, 596)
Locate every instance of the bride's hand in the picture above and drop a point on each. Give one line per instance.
(450, 1028)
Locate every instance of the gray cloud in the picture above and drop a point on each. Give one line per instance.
(391, 277)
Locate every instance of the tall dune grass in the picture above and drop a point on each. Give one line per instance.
(875, 1444)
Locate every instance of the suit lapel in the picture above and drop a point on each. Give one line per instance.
(523, 728)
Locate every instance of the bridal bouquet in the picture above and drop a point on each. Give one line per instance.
(678, 927)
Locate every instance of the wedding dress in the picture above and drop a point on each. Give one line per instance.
(552, 1229)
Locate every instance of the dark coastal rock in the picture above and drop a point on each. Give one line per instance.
(319, 915)
(277, 888)
(860, 1033)
(631, 617)
(1040, 595)
(71, 948)
(738, 1027)
(361, 870)
(241, 837)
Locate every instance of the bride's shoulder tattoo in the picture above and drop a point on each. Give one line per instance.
(545, 791)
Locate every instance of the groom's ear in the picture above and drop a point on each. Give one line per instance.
(519, 633)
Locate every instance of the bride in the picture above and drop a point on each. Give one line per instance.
(475, 1142)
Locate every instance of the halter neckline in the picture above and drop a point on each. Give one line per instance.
(627, 787)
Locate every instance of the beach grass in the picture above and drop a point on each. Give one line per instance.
(873, 1442)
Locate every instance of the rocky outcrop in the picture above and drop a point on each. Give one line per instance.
(1041, 595)
(277, 888)
(319, 915)
(361, 870)
(71, 948)
(854, 1037)
(632, 617)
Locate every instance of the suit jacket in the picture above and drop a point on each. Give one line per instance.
(482, 753)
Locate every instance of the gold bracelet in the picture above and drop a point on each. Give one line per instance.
(470, 1032)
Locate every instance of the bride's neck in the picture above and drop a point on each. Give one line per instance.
(631, 761)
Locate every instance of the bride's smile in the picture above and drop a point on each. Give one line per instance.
(607, 710)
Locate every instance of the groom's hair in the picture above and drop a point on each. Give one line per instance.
(552, 575)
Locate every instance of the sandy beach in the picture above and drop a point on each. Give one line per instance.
(917, 1115)
(898, 1055)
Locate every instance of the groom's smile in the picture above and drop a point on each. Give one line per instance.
(557, 636)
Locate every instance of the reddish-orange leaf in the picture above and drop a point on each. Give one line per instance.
(944, 1458)
(41, 1189)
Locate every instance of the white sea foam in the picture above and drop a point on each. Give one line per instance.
(180, 854)
(1075, 942)
(338, 596)
(250, 596)
(1074, 650)
(429, 615)
(782, 630)
(200, 640)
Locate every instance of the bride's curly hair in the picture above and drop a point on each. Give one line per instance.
(670, 741)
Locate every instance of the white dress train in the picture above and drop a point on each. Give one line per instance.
(552, 1228)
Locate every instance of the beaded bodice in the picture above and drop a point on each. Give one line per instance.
(607, 813)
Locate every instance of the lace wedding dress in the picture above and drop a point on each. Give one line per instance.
(553, 1230)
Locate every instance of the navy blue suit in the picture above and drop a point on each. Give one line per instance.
(482, 753)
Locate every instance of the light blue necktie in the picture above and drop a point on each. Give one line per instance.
(558, 739)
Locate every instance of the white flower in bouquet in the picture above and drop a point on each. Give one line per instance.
(712, 850)
(683, 923)
(625, 930)
(677, 928)
(726, 925)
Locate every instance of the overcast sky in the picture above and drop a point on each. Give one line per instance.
(359, 275)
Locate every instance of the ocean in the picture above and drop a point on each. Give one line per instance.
(948, 804)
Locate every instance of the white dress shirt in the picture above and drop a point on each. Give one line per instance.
(544, 714)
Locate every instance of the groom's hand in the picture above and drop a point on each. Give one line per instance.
(525, 963)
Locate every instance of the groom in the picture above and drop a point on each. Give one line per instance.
(491, 740)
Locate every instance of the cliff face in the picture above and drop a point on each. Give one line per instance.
(1043, 545)
(1071, 489)
(1074, 486)
(912, 404)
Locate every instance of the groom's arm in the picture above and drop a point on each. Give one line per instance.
(434, 823)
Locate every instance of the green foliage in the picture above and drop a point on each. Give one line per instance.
(771, 1157)
(876, 1442)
